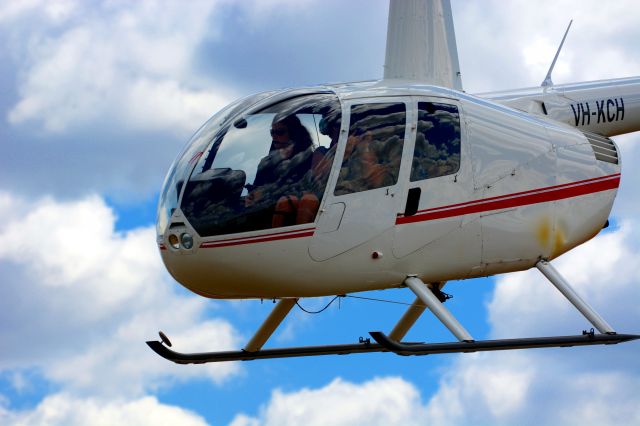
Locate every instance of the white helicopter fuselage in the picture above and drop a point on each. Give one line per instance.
(528, 187)
(403, 182)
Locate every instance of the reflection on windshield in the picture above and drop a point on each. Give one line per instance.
(194, 149)
(437, 149)
(265, 170)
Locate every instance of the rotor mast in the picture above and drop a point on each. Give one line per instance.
(421, 43)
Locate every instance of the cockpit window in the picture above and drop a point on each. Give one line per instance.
(182, 166)
(374, 147)
(267, 169)
(437, 149)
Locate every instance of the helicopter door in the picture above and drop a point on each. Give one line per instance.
(439, 179)
(364, 201)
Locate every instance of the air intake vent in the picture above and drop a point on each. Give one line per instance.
(603, 148)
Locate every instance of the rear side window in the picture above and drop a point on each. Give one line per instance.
(437, 149)
(374, 147)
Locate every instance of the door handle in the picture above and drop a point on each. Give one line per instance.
(413, 201)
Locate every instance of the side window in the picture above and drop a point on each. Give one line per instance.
(374, 147)
(437, 149)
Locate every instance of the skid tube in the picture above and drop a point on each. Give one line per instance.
(386, 344)
(201, 358)
(585, 339)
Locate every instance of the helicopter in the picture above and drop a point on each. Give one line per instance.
(405, 182)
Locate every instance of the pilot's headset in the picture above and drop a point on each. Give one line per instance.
(328, 122)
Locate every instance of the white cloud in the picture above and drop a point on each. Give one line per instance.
(140, 63)
(122, 62)
(380, 401)
(67, 410)
(164, 103)
(78, 301)
(511, 44)
(627, 202)
(262, 12)
(499, 388)
(55, 11)
(102, 95)
(539, 387)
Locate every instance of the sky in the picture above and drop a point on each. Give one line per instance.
(97, 98)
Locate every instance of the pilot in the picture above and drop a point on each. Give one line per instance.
(280, 172)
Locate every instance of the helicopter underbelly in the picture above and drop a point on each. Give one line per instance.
(517, 229)
(279, 265)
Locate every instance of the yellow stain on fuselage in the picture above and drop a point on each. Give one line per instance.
(551, 238)
(559, 242)
(543, 232)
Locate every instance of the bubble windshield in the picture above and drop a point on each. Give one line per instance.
(183, 165)
(266, 169)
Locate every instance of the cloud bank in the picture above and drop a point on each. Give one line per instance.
(63, 409)
(78, 301)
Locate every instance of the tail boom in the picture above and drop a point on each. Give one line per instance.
(605, 107)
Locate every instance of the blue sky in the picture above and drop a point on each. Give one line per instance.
(96, 99)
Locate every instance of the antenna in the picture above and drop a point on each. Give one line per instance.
(547, 80)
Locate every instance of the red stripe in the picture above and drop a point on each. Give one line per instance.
(250, 237)
(516, 194)
(261, 239)
(536, 196)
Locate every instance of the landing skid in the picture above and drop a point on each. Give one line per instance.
(205, 357)
(425, 298)
(586, 339)
(386, 344)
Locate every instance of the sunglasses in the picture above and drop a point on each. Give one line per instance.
(278, 132)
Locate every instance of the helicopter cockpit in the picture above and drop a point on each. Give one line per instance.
(253, 169)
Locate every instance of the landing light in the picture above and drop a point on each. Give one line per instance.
(173, 241)
(186, 240)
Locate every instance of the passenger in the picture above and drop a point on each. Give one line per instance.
(363, 168)
(320, 169)
(280, 172)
